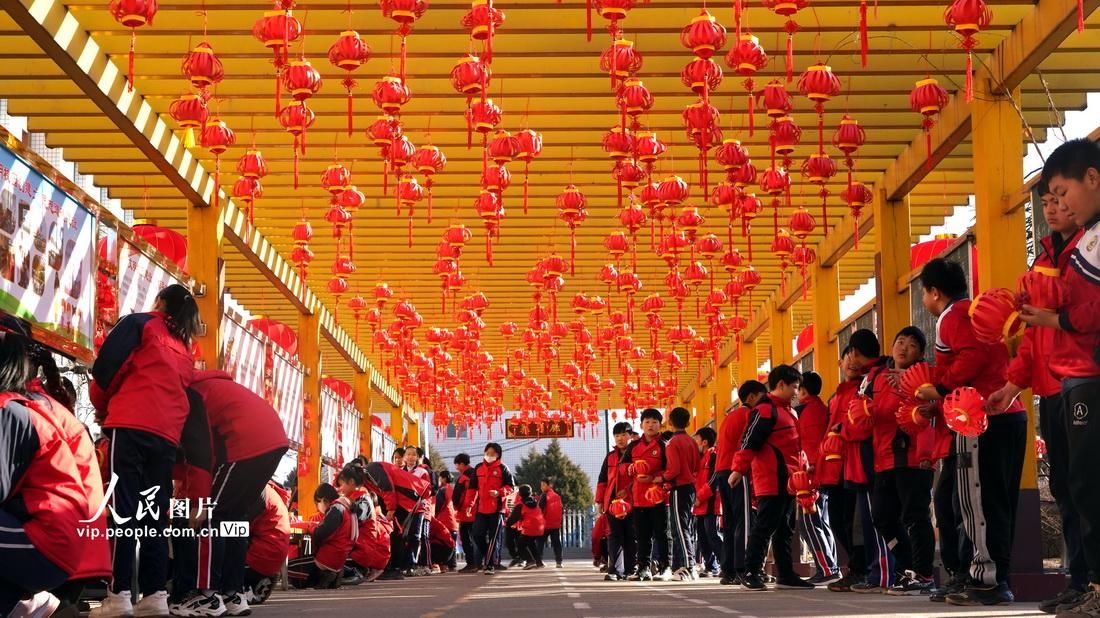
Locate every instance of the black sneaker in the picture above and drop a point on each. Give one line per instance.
(954, 585)
(730, 580)
(470, 568)
(844, 584)
(793, 582)
(1069, 596)
(753, 581)
(821, 579)
(643, 575)
(490, 571)
(391, 575)
(911, 584)
(516, 562)
(1091, 597)
(501, 567)
(328, 580)
(987, 595)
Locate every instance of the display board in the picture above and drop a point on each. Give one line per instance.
(140, 280)
(551, 428)
(288, 381)
(47, 243)
(243, 355)
(382, 445)
(330, 420)
(349, 434)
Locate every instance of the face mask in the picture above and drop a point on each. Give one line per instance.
(490, 458)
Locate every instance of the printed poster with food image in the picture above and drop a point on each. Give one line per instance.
(46, 245)
(140, 279)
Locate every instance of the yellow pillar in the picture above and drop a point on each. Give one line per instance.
(204, 263)
(412, 437)
(892, 241)
(361, 388)
(723, 393)
(701, 403)
(309, 354)
(781, 331)
(397, 425)
(750, 361)
(826, 310)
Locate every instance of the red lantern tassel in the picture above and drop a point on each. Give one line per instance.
(130, 61)
(790, 53)
(278, 91)
(385, 176)
(351, 105)
(403, 48)
(488, 247)
(863, 41)
(737, 8)
(928, 145)
(572, 251)
(749, 84)
(429, 185)
(1080, 16)
(217, 181)
(855, 232)
(410, 232)
(588, 19)
(526, 184)
(969, 73)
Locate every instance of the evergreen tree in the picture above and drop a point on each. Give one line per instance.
(435, 461)
(568, 478)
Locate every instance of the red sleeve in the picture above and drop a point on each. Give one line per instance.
(811, 428)
(1020, 367)
(673, 461)
(1081, 314)
(969, 356)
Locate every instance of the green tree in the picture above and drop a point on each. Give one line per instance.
(569, 480)
(435, 461)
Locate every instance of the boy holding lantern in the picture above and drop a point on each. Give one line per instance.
(1027, 370)
(613, 498)
(648, 460)
(987, 468)
(1073, 174)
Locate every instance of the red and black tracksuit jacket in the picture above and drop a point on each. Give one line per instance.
(444, 507)
(335, 536)
(244, 425)
(552, 510)
(464, 498)
(396, 488)
(831, 473)
(707, 501)
(770, 448)
(813, 421)
(1074, 352)
(614, 481)
(893, 448)
(653, 453)
(489, 477)
(527, 518)
(1031, 367)
(140, 377)
(682, 460)
(731, 436)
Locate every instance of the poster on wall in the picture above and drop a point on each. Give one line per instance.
(288, 381)
(106, 282)
(46, 260)
(140, 280)
(349, 436)
(330, 420)
(243, 355)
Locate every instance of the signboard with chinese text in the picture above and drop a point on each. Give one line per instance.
(330, 421)
(288, 381)
(243, 355)
(140, 280)
(47, 240)
(349, 437)
(550, 428)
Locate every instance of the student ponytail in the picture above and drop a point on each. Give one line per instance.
(15, 363)
(40, 358)
(181, 311)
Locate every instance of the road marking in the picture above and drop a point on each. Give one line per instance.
(697, 601)
(581, 606)
(726, 610)
(573, 595)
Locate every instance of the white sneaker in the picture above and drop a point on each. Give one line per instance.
(664, 576)
(194, 604)
(114, 606)
(236, 605)
(41, 605)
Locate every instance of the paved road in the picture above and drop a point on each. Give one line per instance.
(578, 590)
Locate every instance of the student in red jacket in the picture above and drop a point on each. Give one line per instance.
(683, 460)
(445, 512)
(268, 546)
(615, 483)
(365, 561)
(47, 507)
(493, 482)
(770, 450)
(829, 474)
(1030, 369)
(140, 377)
(1073, 173)
(441, 543)
(813, 420)
(708, 508)
(902, 495)
(600, 531)
(989, 467)
(333, 539)
(527, 518)
(550, 503)
(464, 500)
(648, 461)
(404, 497)
(250, 442)
(736, 499)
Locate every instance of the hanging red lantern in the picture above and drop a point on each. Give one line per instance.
(397, 156)
(277, 30)
(170, 243)
(528, 148)
(620, 60)
(701, 120)
(349, 52)
(296, 118)
(390, 94)
(777, 101)
(301, 80)
(202, 67)
(482, 20)
(994, 316)
(786, 135)
(133, 14)
(252, 164)
(634, 99)
(783, 247)
(818, 83)
(470, 77)
(928, 98)
(788, 9)
(247, 190)
(496, 179)
(818, 169)
(502, 148)
(673, 190)
(190, 113)
(804, 257)
(408, 193)
(404, 13)
(336, 179)
(384, 130)
(969, 18)
(702, 76)
(217, 137)
(339, 218)
(571, 209)
(964, 412)
(301, 255)
(429, 161)
(489, 209)
(483, 117)
(747, 58)
(628, 174)
(618, 142)
(849, 136)
(704, 36)
(802, 224)
(616, 244)
(647, 149)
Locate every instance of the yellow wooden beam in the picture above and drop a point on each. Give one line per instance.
(781, 336)
(748, 364)
(309, 355)
(204, 261)
(361, 388)
(723, 393)
(412, 434)
(892, 262)
(826, 310)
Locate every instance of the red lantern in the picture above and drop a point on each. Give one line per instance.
(252, 164)
(277, 30)
(349, 52)
(915, 378)
(634, 99)
(909, 417)
(818, 169)
(301, 255)
(802, 485)
(528, 148)
(788, 9)
(702, 76)
(746, 59)
(296, 119)
(620, 60)
(777, 101)
(849, 137)
(248, 190)
(384, 131)
(202, 67)
(133, 14)
(217, 137)
(482, 20)
(390, 94)
(170, 243)
(786, 135)
(405, 13)
(619, 508)
(818, 83)
(618, 143)
(502, 148)
(802, 224)
(470, 76)
(336, 179)
(964, 412)
(968, 18)
(408, 193)
(616, 244)
(571, 209)
(611, 10)
(647, 149)
(833, 446)
(856, 195)
(496, 179)
(673, 190)
(1042, 287)
(483, 117)
(429, 161)
(704, 36)
(489, 209)
(928, 98)
(301, 80)
(190, 113)
(994, 316)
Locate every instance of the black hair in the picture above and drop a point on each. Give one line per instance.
(785, 374)
(325, 492)
(182, 312)
(446, 476)
(865, 341)
(621, 427)
(1072, 160)
(42, 362)
(15, 364)
(354, 473)
(946, 276)
(666, 435)
(653, 413)
(811, 381)
(1042, 187)
(708, 435)
(916, 334)
(750, 388)
(549, 481)
(679, 418)
(495, 447)
(462, 458)
(399, 451)
(525, 491)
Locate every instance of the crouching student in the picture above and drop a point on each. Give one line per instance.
(404, 497)
(268, 546)
(442, 544)
(770, 449)
(527, 519)
(333, 540)
(600, 532)
(366, 558)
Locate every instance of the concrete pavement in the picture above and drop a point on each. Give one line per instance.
(579, 590)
